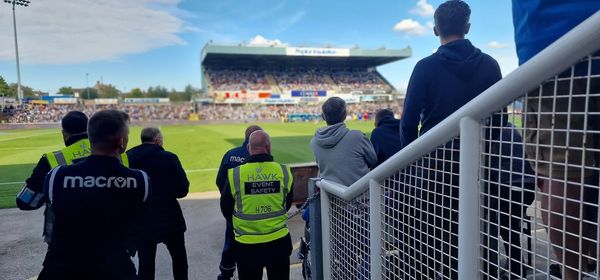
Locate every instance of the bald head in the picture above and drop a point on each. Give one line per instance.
(251, 129)
(259, 143)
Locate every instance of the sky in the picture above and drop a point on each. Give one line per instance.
(142, 43)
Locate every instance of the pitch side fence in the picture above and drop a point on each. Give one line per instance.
(461, 202)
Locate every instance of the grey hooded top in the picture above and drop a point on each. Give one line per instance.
(343, 155)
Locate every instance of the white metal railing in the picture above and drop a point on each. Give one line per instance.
(402, 220)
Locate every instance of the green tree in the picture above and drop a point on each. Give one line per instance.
(27, 91)
(158, 91)
(4, 88)
(66, 91)
(89, 93)
(107, 91)
(135, 93)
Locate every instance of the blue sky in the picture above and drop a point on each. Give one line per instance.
(142, 43)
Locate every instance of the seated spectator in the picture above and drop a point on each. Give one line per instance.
(386, 135)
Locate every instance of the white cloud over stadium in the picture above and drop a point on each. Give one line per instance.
(423, 9)
(67, 32)
(410, 27)
(260, 41)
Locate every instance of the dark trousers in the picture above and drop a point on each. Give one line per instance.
(147, 256)
(252, 268)
(122, 271)
(227, 265)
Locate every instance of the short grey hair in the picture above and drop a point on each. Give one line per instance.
(334, 110)
(149, 134)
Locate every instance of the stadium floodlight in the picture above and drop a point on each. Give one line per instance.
(14, 3)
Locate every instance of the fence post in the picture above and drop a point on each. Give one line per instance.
(316, 250)
(375, 194)
(325, 235)
(468, 201)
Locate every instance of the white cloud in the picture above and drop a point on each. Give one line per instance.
(260, 41)
(497, 45)
(411, 27)
(423, 9)
(67, 32)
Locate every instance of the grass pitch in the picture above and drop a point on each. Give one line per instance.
(199, 147)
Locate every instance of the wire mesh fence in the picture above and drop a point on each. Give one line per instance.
(349, 223)
(538, 196)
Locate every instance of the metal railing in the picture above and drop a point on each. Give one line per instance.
(444, 206)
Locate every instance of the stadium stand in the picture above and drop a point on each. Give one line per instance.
(53, 113)
(290, 75)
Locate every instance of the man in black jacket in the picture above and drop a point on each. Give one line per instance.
(163, 222)
(232, 158)
(77, 147)
(386, 135)
(95, 203)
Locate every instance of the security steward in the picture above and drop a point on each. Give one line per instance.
(163, 221)
(257, 197)
(231, 159)
(31, 197)
(95, 203)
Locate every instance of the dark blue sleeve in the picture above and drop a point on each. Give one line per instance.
(222, 173)
(414, 103)
(377, 146)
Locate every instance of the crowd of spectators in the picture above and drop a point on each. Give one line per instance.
(237, 79)
(51, 113)
(30, 113)
(297, 78)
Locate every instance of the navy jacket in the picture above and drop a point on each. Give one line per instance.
(232, 158)
(442, 83)
(95, 204)
(386, 138)
(163, 217)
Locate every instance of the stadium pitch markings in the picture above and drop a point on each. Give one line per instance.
(11, 183)
(27, 136)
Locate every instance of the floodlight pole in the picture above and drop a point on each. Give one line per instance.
(19, 92)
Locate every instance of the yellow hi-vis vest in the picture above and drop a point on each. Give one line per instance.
(77, 150)
(259, 191)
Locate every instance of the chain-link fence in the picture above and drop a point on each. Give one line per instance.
(526, 180)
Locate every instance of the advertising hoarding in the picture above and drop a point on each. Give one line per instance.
(328, 52)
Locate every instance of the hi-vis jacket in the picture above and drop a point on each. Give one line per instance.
(32, 195)
(260, 193)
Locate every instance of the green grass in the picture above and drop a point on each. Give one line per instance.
(199, 147)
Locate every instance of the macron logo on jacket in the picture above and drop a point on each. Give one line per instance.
(99, 182)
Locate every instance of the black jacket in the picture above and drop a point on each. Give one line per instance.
(232, 158)
(277, 248)
(95, 203)
(35, 182)
(442, 83)
(164, 216)
(386, 138)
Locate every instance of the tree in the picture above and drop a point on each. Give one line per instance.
(158, 91)
(135, 93)
(4, 88)
(89, 93)
(27, 91)
(66, 91)
(107, 91)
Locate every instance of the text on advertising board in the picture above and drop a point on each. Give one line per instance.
(317, 52)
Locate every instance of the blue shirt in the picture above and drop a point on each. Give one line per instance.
(538, 23)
